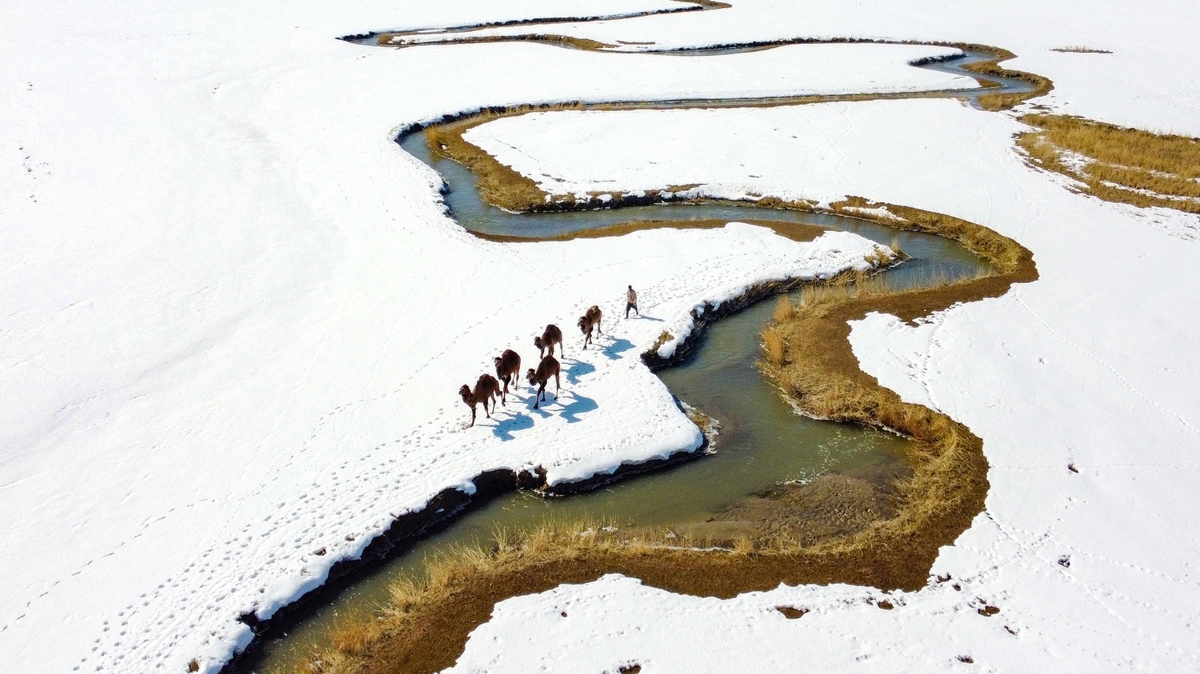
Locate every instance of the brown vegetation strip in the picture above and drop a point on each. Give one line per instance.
(1116, 163)
(427, 628)
(1079, 49)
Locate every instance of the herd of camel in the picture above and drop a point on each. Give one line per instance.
(508, 367)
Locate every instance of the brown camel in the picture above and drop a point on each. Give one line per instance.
(486, 389)
(545, 369)
(508, 367)
(587, 322)
(549, 338)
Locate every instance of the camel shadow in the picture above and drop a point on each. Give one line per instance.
(618, 346)
(579, 405)
(517, 422)
(578, 370)
(540, 411)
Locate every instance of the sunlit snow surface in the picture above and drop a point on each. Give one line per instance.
(235, 318)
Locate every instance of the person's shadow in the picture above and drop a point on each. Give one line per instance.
(578, 405)
(517, 422)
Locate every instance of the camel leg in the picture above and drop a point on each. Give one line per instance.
(472, 416)
(556, 386)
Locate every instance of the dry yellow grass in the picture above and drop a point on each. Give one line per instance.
(1116, 163)
(773, 346)
(662, 339)
(783, 310)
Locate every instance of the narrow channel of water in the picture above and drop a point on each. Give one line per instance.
(762, 440)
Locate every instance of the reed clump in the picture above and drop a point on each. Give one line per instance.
(1115, 163)
(773, 346)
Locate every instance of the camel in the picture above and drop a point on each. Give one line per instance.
(549, 338)
(486, 389)
(508, 367)
(545, 369)
(587, 321)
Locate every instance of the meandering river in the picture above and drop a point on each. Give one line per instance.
(762, 441)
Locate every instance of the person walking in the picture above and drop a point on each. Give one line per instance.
(631, 302)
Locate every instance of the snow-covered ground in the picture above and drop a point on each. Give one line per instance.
(235, 320)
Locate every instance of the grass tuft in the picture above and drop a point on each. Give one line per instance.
(1080, 49)
(773, 346)
(662, 339)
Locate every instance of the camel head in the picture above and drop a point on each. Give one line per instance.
(465, 391)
